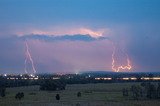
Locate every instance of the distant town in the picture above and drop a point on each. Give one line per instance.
(88, 77)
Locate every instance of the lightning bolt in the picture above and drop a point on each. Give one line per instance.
(29, 58)
(120, 67)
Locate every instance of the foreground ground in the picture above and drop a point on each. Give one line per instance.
(92, 95)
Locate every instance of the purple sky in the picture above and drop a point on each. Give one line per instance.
(75, 36)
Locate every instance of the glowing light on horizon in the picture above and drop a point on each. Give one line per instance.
(5, 75)
(103, 78)
(29, 58)
(120, 67)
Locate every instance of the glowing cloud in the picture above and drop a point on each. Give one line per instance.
(91, 32)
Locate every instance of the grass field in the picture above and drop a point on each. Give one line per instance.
(92, 95)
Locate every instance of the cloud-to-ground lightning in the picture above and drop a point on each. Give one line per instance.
(28, 58)
(120, 66)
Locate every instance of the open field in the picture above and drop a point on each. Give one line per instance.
(92, 95)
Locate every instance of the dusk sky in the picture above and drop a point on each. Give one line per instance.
(79, 35)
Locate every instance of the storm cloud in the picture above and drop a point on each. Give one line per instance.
(72, 36)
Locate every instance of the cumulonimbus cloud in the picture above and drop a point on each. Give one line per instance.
(77, 37)
(61, 34)
(63, 31)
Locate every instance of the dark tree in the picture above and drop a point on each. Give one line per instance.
(136, 92)
(52, 85)
(57, 97)
(158, 90)
(2, 91)
(151, 92)
(19, 95)
(125, 91)
(79, 94)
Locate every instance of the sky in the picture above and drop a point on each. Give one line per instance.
(70, 36)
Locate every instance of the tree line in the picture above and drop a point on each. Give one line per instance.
(146, 90)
